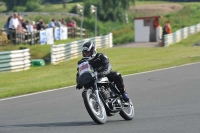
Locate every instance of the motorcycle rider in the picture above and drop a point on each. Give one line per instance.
(101, 64)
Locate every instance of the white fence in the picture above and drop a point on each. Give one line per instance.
(17, 60)
(180, 34)
(63, 52)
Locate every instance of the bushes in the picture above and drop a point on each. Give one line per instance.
(19, 9)
(123, 35)
(32, 6)
(21, 5)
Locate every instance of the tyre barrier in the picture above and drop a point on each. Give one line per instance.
(17, 60)
(68, 51)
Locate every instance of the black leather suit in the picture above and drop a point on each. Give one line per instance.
(101, 64)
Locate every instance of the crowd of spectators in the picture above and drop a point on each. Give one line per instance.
(16, 24)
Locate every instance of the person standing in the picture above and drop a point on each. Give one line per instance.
(13, 25)
(40, 25)
(156, 23)
(166, 30)
(58, 23)
(20, 27)
(30, 27)
(6, 26)
(52, 24)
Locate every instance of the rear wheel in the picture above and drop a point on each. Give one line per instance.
(97, 112)
(128, 111)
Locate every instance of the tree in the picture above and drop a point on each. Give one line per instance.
(11, 4)
(108, 9)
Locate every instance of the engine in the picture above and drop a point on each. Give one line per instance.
(105, 92)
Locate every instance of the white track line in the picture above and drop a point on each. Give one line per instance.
(74, 85)
(161, 69)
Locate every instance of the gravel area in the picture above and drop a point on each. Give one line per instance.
(155, 9)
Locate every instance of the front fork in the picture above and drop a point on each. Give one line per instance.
(96, 91)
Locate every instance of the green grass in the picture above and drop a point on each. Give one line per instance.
(37, 51)
(124, 60)
(58, 7)
(151, 2)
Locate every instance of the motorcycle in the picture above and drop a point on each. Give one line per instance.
(101, 97)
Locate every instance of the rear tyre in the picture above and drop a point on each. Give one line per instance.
(97, 112)
(128, 111)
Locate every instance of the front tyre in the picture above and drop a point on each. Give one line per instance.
(97, 112)
(128, 111)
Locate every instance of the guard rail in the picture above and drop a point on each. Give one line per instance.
(64, 52)
(17, 60)
(181, 34)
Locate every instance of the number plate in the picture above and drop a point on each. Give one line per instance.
(84, 67)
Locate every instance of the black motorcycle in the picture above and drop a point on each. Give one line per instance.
(101, 97)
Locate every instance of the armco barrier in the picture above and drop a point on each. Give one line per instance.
(180, 34)
(17, 60)
(63, 52)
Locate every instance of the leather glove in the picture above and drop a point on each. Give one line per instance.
(79, 87)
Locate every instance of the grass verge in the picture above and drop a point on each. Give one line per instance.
(37, 51)
(124, 60)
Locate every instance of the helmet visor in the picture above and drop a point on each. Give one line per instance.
(86, 53)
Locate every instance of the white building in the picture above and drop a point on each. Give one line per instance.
(147, 29)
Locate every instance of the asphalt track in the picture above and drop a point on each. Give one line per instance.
(165, 101)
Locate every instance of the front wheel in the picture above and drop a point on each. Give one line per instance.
(128, 111)
(96, 111)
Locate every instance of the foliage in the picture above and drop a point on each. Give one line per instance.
(173, 0)
(188, 16)
(108, 9)
(32, 6)
(122, 32)
(13, 4)
(19, 9)
(123, 35)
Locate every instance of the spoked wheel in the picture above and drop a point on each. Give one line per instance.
(128, 111)
(96, 111)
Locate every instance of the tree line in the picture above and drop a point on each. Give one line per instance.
(107, 10)
(29, 5)
(113, 10)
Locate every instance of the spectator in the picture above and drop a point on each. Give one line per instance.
(52, 24)
(71, 23)
(74, 23)
(24, 24)
(20, 28)
(30, 27)
(59, 24)
(6, 26)
(34, 25)
(13, 27)
(40, 25)
(156, 23)
(14, 22)
(168, 27)
(63, 21)
(166, 30)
